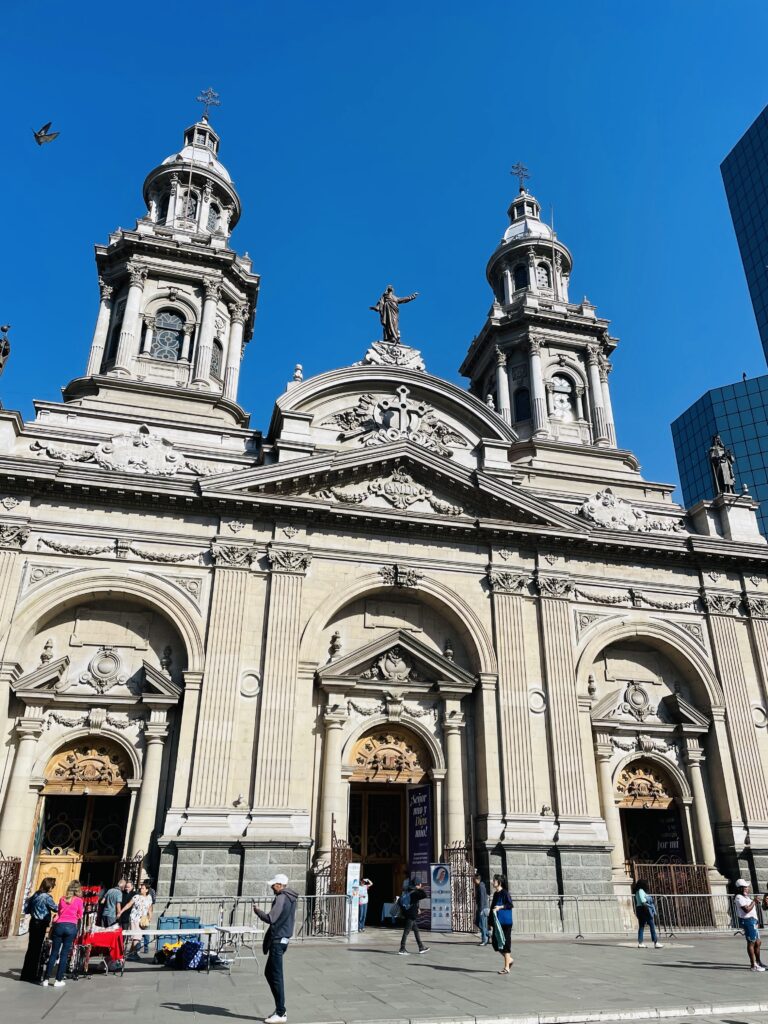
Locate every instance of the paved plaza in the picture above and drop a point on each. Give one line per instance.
(455, 982)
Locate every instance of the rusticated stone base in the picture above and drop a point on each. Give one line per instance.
(207, 868)
(549, 870)
(585, 871)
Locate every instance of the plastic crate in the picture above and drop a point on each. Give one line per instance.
(171, 925)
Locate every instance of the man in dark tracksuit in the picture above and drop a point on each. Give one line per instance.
(411, 913)
(280, 918)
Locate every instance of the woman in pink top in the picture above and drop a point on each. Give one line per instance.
(65, 925)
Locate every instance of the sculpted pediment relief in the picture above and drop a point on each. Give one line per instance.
(634, 703)
(397, 490)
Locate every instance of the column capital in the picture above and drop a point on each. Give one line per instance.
(453, 722)
(334, 718)
(501, 357)
(155, 732)
(238, 312)
(12, 536)
(149, 320)
(289, 560)
(534, 345)
(137, 273)
(604, 751)
(554, 586)
(105, 290)
(232, 556)
(593, 355)
(507, 581)
(719, 603)
(212, 288)
(757, 607)
(29, 728)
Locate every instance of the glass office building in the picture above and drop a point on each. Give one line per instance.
(739, 414)
(745, 176)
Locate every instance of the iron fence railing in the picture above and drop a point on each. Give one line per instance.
(325, 916)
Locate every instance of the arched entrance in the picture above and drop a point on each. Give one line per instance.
(84, 813)
(390, 809)
(651, 821)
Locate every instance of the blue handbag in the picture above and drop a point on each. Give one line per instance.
(504, 915)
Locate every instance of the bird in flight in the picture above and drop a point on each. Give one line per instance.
(42, 135)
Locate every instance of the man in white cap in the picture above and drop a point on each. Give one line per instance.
(746, 911)
(280, 918)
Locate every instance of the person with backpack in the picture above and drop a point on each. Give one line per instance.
(409, 905)
(645, 911)
(40, 906)
(501, 917)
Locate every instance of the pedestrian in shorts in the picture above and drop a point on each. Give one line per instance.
(746, 912)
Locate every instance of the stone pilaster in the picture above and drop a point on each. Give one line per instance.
(599, 424)
(455, 816)
(216, 722)
(604, 755)
(99, 342)
(538, 396)
(519, 791)
(126, 347)
(146, 812)
(207, 330)
(238, 313)
(19, 806)
(694, 758)
(333, 798)
(502, 386)
(12, 538)
(753, 788)
(605, 368)
(567, 754)
(273, 757)
(185, 752)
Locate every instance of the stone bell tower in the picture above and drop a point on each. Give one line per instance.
(177, 303)
(541, 360)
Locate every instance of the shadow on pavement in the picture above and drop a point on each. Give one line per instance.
(208, 1011)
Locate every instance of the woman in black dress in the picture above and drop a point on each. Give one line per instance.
(40, 906)
(501, 918)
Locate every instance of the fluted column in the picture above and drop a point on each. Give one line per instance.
(170, 217)
(605, 369)
(216, 723)
(146, 812)
(455, 819)
(538, 397)
(507, 284)
(517, 772)
(502, 386)
(207, 331)
(18, 809)
(604, 755)
(596, 393)
(238, 314)
(333, 798)
(562, 701)
(752, 784)
(186, 343)
(126, 347)
(96, 358)
(149, 331)
(694, 758)
(185, 751)
(273, 757)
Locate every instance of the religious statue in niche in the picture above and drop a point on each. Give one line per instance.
(721, 460)
(388, 308)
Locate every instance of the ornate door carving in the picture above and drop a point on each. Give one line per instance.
(641, 786)
(390, 755)
(95, 766)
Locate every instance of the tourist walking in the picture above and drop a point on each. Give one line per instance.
(69, 914)
(111, 903)
(482, 908)
(365, 885)
(40, 906)
(409, 904)
(280, 918)
(746, 911)
(141, 917)
(645, 911)
(501, 921)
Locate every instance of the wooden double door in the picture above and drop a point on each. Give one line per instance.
(80, 837)
(377, 835)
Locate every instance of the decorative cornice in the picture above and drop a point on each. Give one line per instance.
(288, 560)
(507, 581)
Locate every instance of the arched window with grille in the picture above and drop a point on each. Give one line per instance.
(520, 276)
(214, 217)
(162, 208)
(188, 206)
(563, 399)
(168, 336)
(217, 359)
(543, 275)
(522, 402)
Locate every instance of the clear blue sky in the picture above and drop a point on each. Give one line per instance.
(372, 143)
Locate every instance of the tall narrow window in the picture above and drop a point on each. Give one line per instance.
(217, 359)
(189, 206)
(162, 208)
(543, 276)
(114, 336)
(562, 399)
(520, 276)
(168, 336)
(522, 405)
(214, 217)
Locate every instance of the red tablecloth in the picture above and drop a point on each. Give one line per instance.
(110, 943)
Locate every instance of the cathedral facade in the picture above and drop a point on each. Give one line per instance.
(223, 651)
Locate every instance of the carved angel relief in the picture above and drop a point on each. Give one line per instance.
(607, 510)
(380, 421)
(399, 490)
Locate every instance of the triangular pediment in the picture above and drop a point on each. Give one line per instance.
(47, 679)
(397, 659)
(632, 705)
(158, 684)
(403, 482)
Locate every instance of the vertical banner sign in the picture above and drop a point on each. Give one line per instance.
(353, 892)
(440, 878)
(420, 839)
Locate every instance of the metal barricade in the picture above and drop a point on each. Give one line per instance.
(316, 916)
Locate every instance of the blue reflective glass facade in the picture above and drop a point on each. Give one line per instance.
(739, 414)
(745, 176)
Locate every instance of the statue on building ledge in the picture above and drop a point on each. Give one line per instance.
(721, 459)
(388, 308)
(390, 351)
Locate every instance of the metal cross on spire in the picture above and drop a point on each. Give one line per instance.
(520, 171)
(209, 98)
